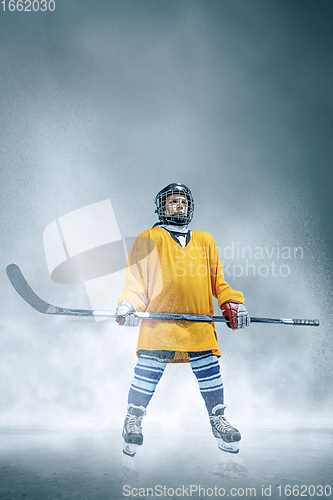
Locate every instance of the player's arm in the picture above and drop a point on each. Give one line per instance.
(231, 301)
(134, 294)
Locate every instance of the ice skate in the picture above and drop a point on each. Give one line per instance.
(132, 430)
(227, 437)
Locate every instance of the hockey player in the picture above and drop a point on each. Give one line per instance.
(174, 269)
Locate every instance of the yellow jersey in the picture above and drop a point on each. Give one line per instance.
(161, 276)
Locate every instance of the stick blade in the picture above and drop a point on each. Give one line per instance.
(20, 284)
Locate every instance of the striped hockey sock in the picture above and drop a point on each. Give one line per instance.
(206, 368)
(147, 373)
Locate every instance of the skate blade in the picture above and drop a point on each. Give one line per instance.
(228, 447)
(130, 449)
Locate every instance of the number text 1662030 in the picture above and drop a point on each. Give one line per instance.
(28, 5)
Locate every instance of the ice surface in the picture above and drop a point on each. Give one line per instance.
(53, 463)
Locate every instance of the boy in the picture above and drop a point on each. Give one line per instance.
(176, 270)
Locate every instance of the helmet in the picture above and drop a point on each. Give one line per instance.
(177, 190)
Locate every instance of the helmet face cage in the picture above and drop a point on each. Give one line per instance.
(177, 191)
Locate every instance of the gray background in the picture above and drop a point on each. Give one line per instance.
(114, 100)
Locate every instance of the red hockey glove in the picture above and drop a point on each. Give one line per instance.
(124, 316)
(236, 313)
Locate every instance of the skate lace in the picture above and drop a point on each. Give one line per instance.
(221, 423)
(133, 424)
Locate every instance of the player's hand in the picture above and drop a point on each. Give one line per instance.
(124, 314)
(236, 313)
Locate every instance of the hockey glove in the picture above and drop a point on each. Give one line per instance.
(124, 314)
(236, 313)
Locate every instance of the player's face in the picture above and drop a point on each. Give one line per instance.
(176, 204)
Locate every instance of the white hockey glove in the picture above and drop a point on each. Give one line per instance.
(124, 314)
(236, 313)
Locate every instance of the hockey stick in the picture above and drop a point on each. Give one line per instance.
(22, 287)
